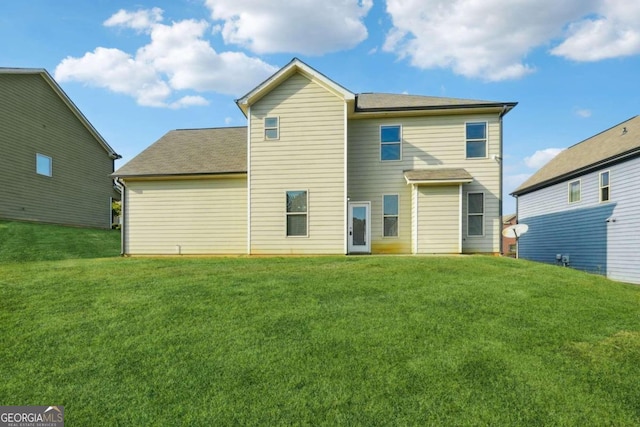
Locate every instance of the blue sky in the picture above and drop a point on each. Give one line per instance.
(139, 69)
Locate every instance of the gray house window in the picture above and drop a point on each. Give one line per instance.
(297, 213)
(574, 191)
(476, 137)
(390, 142)
(604, 186)
(43, 165)
(390, 215)
(271, 128)
(475, 214)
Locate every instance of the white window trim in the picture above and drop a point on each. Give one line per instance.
(286, 215)
(50, 174)
(391, 216)
(579, 181)
(600, 186)
(389, 143)
(486, 139)
(484, 210)
(277, 128)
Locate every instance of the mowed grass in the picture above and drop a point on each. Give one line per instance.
(319, 341)
(26, 242)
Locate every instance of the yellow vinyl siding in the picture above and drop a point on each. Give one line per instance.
(309, 155)
(186, 217)
(438, 231)
(431, 141)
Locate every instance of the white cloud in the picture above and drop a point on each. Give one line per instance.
(541, 157)
(486, 39)
(178, 58)
(303, 26)
(613, 32)
(511, 182)
(583, 113)
(139, 20)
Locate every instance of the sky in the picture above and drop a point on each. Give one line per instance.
(138, 69)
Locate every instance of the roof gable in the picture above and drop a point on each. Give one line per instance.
(191, 152)
(295, 66)
(67, 101)
(613, 144)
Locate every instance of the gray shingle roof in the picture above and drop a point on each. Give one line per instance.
(192, 152)
(620, 140)
(388, 101)
(436, 175)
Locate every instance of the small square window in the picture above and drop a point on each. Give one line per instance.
(476, 140)
(271, 128)
(574, 191)
(43, 165)
(390, 142)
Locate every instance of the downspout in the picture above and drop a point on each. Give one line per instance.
(121, 186)
(500, 157)
(517, 222)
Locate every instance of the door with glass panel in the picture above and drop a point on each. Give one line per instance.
(359, 227)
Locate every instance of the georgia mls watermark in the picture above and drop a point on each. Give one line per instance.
(31, 416)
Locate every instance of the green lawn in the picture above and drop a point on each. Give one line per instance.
(319, 341)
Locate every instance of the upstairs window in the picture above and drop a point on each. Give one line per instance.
(475, 214)
(604, 186)
(390, 215)
(296, 213)
(43, 165)
(574, 191)
(476, 136)
(271, 128)
(390, 142)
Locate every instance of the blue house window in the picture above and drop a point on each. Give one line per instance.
(476, 136)
(390, 142)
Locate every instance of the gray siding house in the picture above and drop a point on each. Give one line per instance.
(55, 167)
(583, 207)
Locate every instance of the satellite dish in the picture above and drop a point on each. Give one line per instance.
(515, 231)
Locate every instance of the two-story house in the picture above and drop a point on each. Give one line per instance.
(321, 170)
(583, 207)
(55, 166)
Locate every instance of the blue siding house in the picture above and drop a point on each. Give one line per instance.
(583, 207)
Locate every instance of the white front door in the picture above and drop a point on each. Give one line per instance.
(359, 227)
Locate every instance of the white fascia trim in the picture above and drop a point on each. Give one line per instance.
(346, 184)
(460, 220)
(249, 182)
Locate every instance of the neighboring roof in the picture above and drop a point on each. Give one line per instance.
(437, 176)
(58, 90)
(506, 219)
(394, 102)
(294, 66)
(191, 152)
(616, 143)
